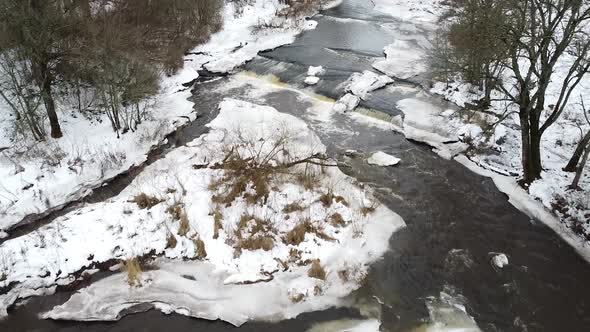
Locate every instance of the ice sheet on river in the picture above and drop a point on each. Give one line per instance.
(381, 158)
(198, 290)
(421, 122)
(402, 60)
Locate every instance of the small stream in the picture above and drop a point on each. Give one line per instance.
(455, 219)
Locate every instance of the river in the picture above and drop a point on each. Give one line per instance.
(455, 219)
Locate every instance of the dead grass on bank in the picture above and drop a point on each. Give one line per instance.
(297, 235)
(316, 270)
(200, 252)
(254, 233)
(251, 169)
(177, 211)
(145, 201)
(133, 269)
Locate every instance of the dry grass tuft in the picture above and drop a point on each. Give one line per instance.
(217, 218)
(145, 201)
(250, 226)
(253, 234)
(297, 234)
(133, 269)
(184, 225)
(316, 270)
(176, 210)
(337, 220)
(293, 207)
(296, 298)
(366, 210)
(294, 255)
(341, 200)
(178, 213)
(239, 174)
(200, 252)
(171, 241)
(308, 179)
(317, 290)
(326, 199)
(265, 243)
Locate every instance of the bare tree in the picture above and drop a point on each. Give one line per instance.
(478, 54)
(41, 29)
(539, 34)
(21, 97)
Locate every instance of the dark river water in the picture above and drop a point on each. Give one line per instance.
(455, 218)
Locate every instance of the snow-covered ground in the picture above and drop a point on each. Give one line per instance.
(301, 245)
(37, 177)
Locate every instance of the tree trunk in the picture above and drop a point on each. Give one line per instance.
(575, 159)
(576, 183)
(44, 80)
(50, 104)
(531, 147)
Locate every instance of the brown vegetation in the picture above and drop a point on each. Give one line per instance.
(200, 252)
(293, 207)
(217, 218)
(297, 234)
(145, 201)
(316, 270)
(133, 269)
(337, 220)
(171, 241)
(326, 199)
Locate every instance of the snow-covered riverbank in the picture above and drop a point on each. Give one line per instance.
(452, 131)
(40, 177)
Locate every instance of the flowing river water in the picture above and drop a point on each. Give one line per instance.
(456, 220)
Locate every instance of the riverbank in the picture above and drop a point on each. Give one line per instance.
(40, 177)
(451, 131)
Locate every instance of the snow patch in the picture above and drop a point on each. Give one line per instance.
(381, 158)
(402, 60)
(360, 84)
(346, 103)
(310, 25)
(311, 80)
(315, 71)
(500, 260)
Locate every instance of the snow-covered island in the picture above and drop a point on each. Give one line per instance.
(254, 207)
